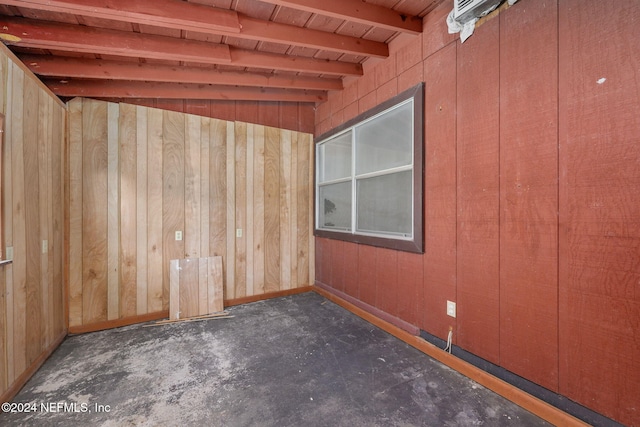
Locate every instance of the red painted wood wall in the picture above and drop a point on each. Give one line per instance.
(532, 196)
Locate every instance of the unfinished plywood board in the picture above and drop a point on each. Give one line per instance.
(195, 287)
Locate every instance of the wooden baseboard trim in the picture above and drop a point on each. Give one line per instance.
(521, 398)
(269, 295)
(118, 323)
(406, 326)
(17, 385)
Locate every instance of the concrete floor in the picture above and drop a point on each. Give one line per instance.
(294, 361)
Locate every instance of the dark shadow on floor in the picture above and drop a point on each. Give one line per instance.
(293, 361)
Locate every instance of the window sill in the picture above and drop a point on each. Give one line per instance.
(415, 246)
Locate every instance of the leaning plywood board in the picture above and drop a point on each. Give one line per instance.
(195, 287)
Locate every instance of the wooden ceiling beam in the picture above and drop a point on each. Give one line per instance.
(121, 89)
(251, 58)
(77, 38)
(56, 66)
(256, 29)
(357, 11)
(205, 19)
(164, 13)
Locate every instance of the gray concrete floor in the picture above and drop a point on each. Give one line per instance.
(294, 361)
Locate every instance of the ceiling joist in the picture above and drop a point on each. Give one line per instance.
(80, 68)
(260, 50)
(82, 39)
(357, 11)
(164, 13)
(205, 19)
(120, 89)
(77, 38)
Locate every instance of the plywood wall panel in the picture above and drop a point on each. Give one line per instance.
(113, 212)
(173, 194)
(337, 271)
(240, 211)
(249, 210)
(7, 212)
(230, 226)
(304, 196)
(94, 218)
(292, 220)
(529, 192)
(142, 272)
(34, 306)
(386, 268)
(221, 183)
(155, 188)
(32, 193)
(350, 255)
(46, 217)
(272, 208)
(19, 267)
(75, 211)
(58, 294)
(192, 186)
(410, 272)
(189, 288)
(478, 193)
(366, 274)
(128, 143)
(258, 210)
(205, 126)
(218, 188)
(599, 255)
(285, 209)
(440, 190)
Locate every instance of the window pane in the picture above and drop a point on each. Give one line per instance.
(334, 157)
(386, 141)
(334, 204)
(384, 203)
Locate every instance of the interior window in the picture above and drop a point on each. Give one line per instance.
(369, 176)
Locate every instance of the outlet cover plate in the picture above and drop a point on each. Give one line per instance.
(451, 308)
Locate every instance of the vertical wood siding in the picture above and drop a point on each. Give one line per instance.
(532, 196)
(31, 288)
(139, 174)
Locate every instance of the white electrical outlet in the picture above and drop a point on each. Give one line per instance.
(239, 232)
(451, 308)
(9, 253)
(178, 235)
(45, 246)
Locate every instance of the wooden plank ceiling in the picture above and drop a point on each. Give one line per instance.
(269, 50)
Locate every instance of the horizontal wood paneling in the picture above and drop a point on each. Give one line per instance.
(143, 174)
(32, 319)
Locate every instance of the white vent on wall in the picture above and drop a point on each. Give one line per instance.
(465, 10)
